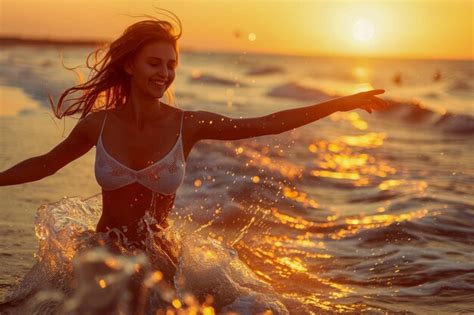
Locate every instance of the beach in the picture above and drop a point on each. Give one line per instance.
(352, 213)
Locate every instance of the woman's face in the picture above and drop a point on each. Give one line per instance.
(153, 69)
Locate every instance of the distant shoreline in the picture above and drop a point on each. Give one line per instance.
(20, 41)
(8, 41)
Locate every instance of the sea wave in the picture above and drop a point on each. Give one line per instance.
(460, 86)
(296, 91)
(405, 111)
(214, 80)
(415, 112)
(265, 70)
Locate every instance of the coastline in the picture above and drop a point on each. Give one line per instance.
(21, 41)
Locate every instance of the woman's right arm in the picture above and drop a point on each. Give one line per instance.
(78, 143)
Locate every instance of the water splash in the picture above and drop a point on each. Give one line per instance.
(80, 271)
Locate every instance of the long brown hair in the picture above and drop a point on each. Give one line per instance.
(109, 84)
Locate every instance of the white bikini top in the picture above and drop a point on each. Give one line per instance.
(164, 176)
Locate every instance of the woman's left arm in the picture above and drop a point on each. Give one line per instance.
(219, 127)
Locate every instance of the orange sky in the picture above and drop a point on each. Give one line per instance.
(404, 29)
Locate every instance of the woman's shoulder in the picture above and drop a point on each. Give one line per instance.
(187, 115)
(92, 123)
(172, 109)
(94, 118)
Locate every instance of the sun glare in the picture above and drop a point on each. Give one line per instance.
(363, 30)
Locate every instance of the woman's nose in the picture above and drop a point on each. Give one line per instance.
(163, 72)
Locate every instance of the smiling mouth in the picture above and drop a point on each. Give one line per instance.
(159, 83)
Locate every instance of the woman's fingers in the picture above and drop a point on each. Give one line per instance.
(375, 92)
(379, 104)
(370, 101)
(383, 103)
(367, 107)
(372, 104)
(371, 93)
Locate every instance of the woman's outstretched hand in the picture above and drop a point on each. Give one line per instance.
(363, 100)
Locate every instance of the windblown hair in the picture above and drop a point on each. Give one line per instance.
(108, 85)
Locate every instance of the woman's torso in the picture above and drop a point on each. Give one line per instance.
(162, 146)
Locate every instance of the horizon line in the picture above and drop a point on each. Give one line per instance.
(19, 40)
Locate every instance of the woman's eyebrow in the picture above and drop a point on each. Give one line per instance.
(161, 59)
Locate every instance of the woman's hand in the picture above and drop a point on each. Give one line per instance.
(364, 100)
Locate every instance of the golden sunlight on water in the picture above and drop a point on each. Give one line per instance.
(386, 219)
(257, 157)
(370, 140)
(338, 160)
(355, 225)
(295, 264)
(352, 117)
(342, 290)
(415, 186)
(285, 257)
(299, 197)
(336, 175)
(297, 223)
(361, 73)
(352, 158)
(102, 283)
(286, 261)
(281, 266)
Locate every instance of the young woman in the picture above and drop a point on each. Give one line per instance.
(142, 144)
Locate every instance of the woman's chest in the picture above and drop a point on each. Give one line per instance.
(140, 151)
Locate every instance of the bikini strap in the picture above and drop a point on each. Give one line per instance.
(182, 117)
(103, 124)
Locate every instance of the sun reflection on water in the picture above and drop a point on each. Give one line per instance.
(339, 160)
(357, 224)
(304, 252)
(369, 140)
(300, 197)
(352, 117)
(257, 157)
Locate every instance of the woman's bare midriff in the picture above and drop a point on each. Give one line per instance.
(126, 206)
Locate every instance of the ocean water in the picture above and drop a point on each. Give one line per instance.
(353, 213)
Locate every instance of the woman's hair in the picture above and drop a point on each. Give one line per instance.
(109, 84)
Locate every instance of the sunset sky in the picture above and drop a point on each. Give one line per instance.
(402, 29)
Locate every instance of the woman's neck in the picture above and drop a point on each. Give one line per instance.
(138, 110)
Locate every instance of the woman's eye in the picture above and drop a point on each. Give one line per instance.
(156, 65)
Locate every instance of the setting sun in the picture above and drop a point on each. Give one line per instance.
(363, 30)
(431, 29)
